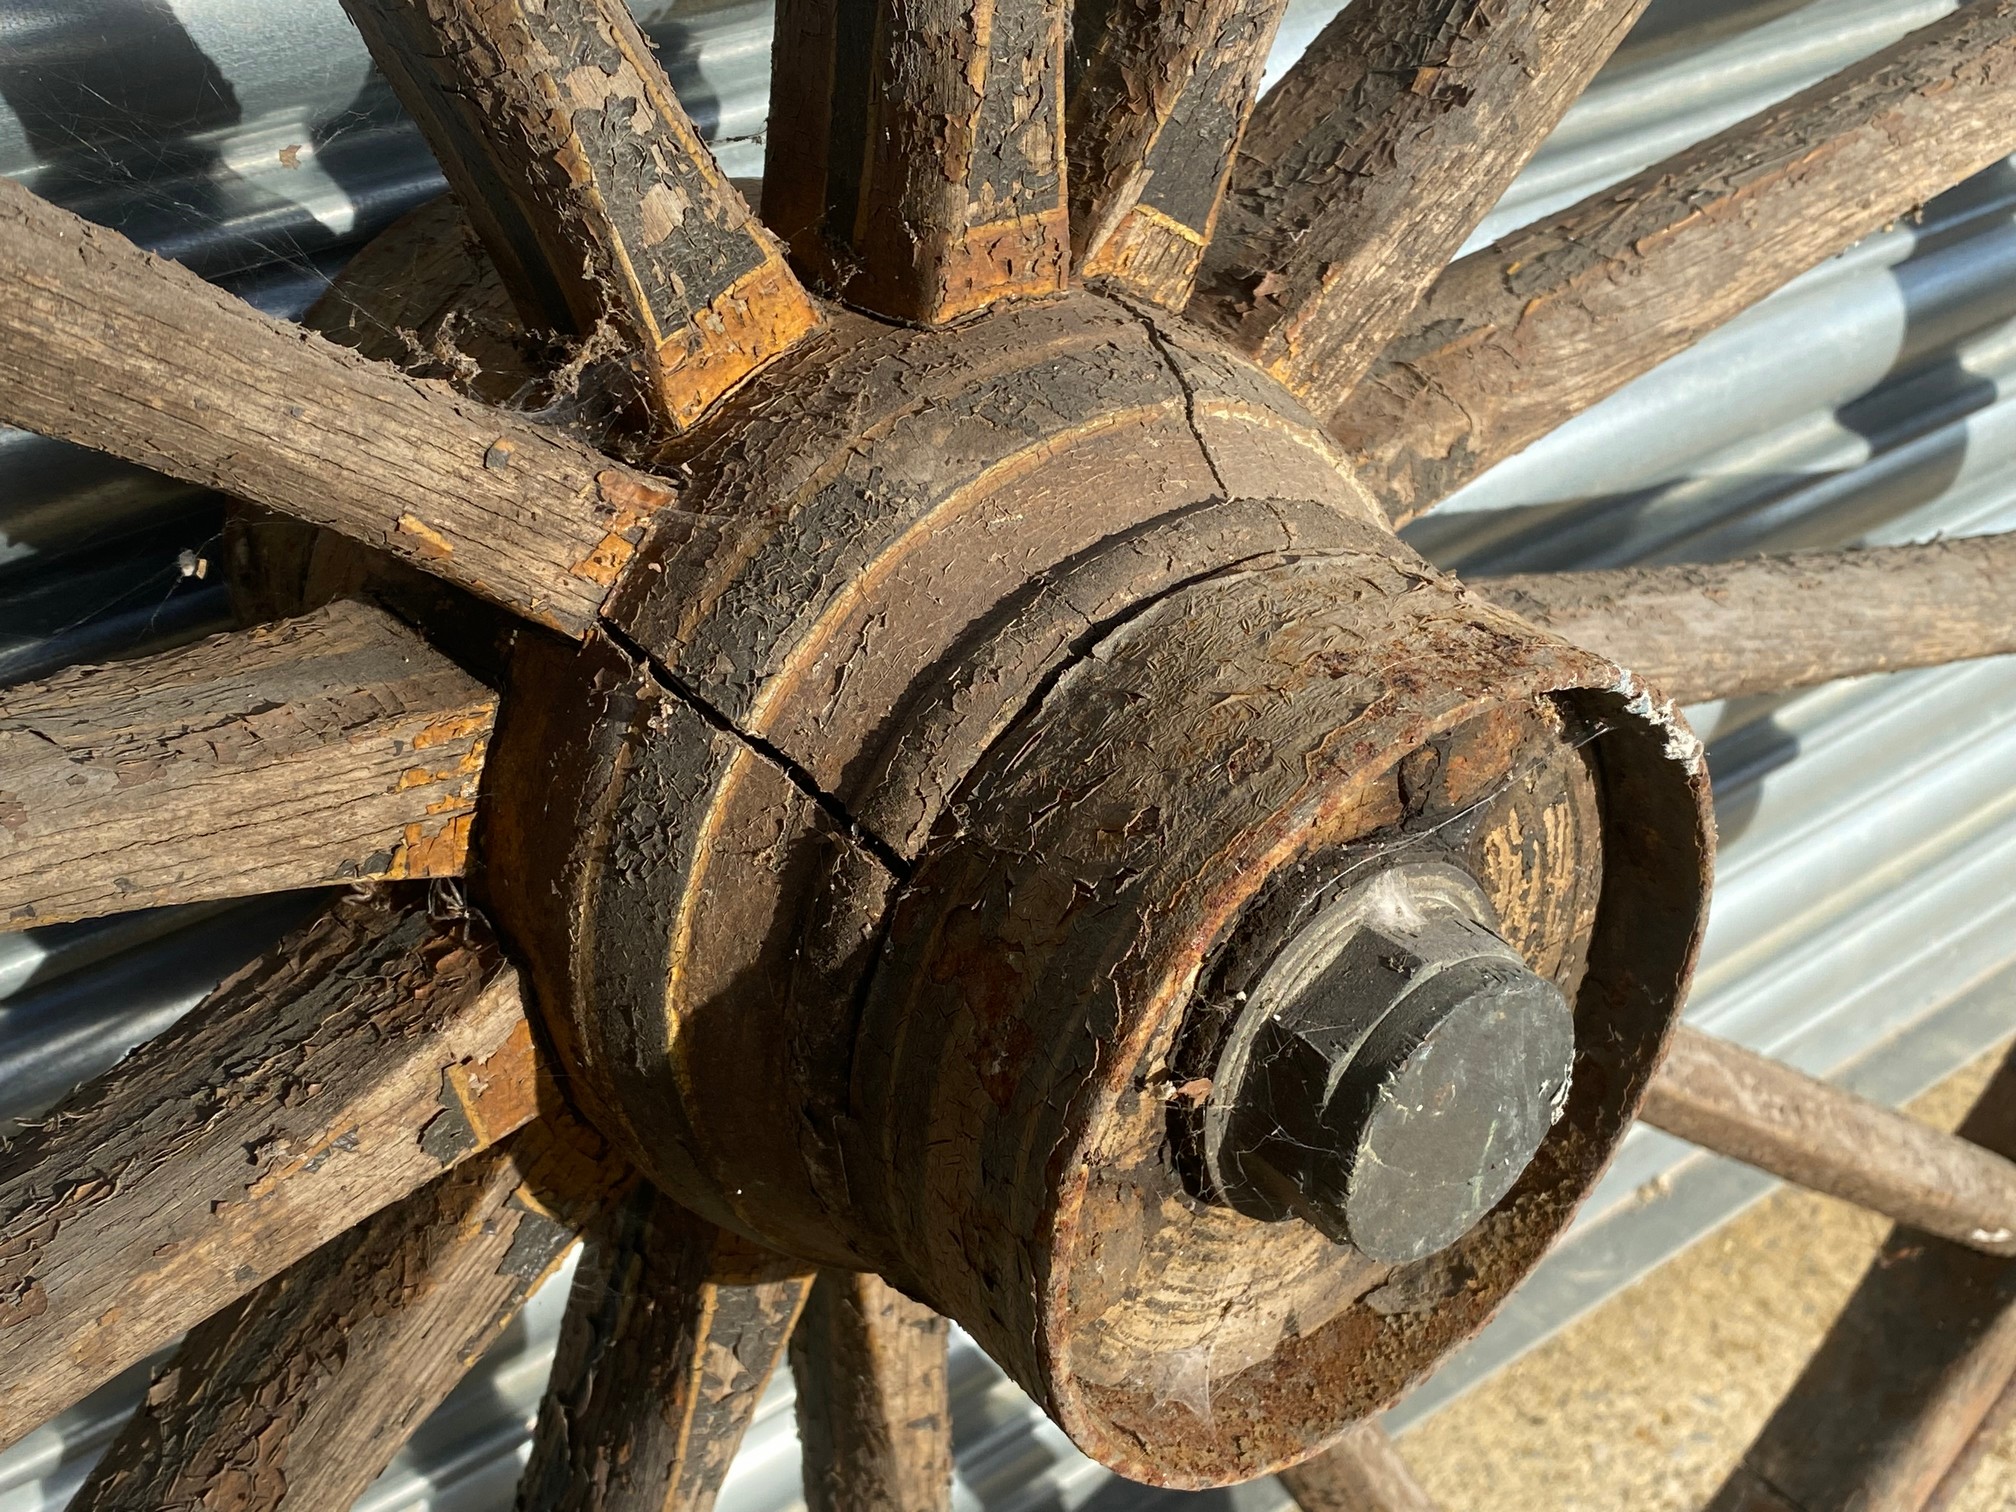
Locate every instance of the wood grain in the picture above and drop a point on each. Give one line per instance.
(1763, 624)
(1152, 125)
(332, 748)
(117, 350)
(1517, 338)
(301, 1393)
(1375, 157)
(1361, 1472)
(873, 1411)
(591, 188)
(1910, 1370)
(916, 156)
(671, 1333)
(1753, 1109)
(365, 1054)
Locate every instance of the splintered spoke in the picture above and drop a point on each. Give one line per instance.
(113, 349)
(1151, 129)
(1741, 1104)
(1765, 624)
(368, 1052)
(590, 187)
(916, 156)
(1517, 338)
(672, 1331)
(1367, 166)
(1906, 1378)
(873, 1410)
(331, 748)
(1361, 1472)
(298, 1395)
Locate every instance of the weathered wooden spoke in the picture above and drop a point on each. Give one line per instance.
(1152, 126)
(1366, 167)
(299, 1394)
(873, 1411)
(117, 350)
(1907, 1376)
(916, 154)
(368, 1052)
(590, 187)
(1764, 624)
(671, 1333)
(337, 747)
(1361, 1472)
(1521, 336)
(1741, 1104)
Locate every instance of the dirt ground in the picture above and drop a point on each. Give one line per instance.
(1646, 1404)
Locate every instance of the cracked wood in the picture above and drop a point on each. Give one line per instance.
(591, 188)
(115, 349)
(369, 1051)
(1366, 167)
(1534, 329)
(1764, 624)
(336, 747)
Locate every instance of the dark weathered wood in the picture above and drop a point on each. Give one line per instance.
(298, 1395)
(365, 1054)
(1516, 338)
(916, 157)
(336, 747)
(597, 199)
(1762, 624)
(1753, 1109)
(1150, 132)
(873, 1411)
(1366, 167)
(1361, 1472)
(114, 349)
(1906, 1376)
(673, 1328)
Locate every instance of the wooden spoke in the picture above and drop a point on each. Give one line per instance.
(1764, 624)
(672, 1331)
(590, 187)
(1367, 166)
(300, 1394)
(1753, 1109)
(874, 1415)
(1906, 1377)
(1361, 1472)
(114, 349)
(1151, 130)
(368, 1052)
(916, 157)
(1517, 338)
(330, 748)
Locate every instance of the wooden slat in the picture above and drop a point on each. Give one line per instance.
(117, 350)
(1150, 132)
(300, 1394)
(1517, 338)
(1756, 1110)
(365, 1054)
(874, 1415)
(671, 1332)
(335, 747)
(593, 192)
(1375, 157)
(1361, 1472)
(1905, 1378)
(916, 153)
(1763, 624)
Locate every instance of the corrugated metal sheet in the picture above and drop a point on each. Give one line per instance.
(1862, 926)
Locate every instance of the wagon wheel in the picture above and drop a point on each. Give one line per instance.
(982, 811)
